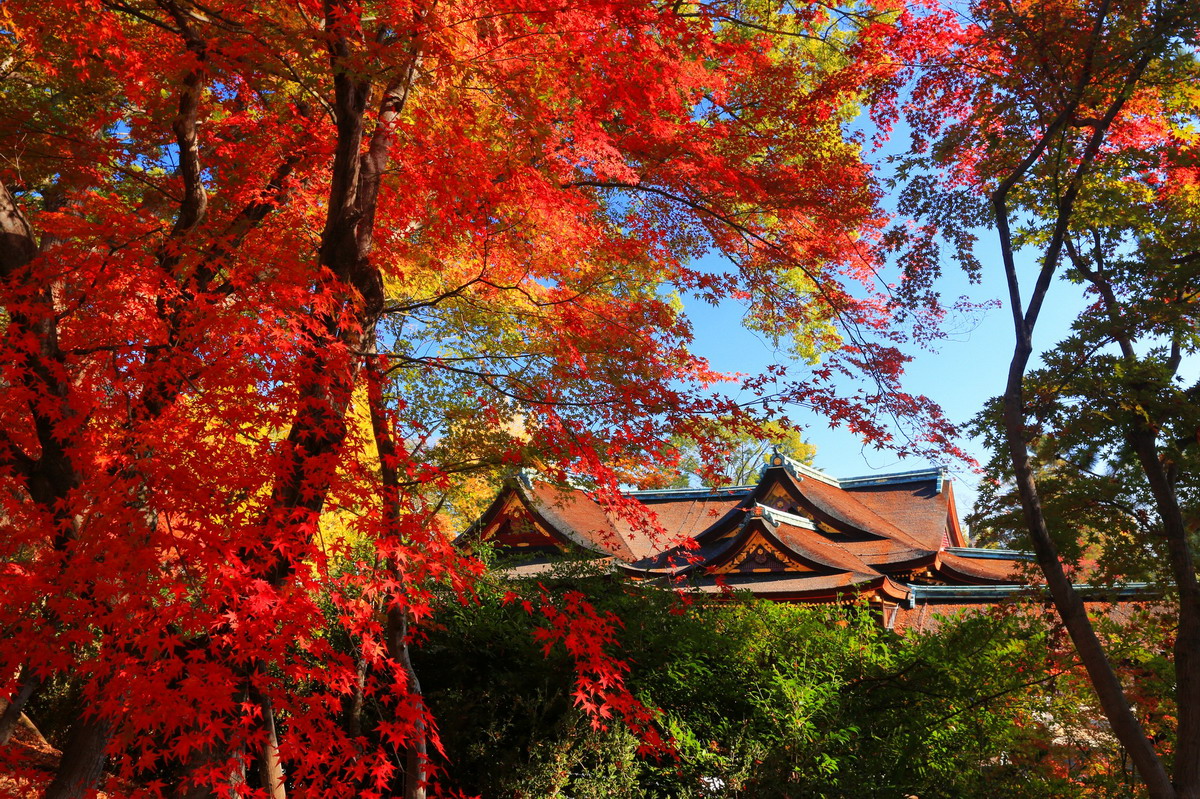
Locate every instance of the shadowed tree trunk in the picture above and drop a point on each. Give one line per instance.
(10, 719)
(416, 756)
(1067, 601)
(269, 765)
(82, 759)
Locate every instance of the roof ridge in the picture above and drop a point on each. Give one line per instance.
(982, 553)
(794, 467)
(797, 468)
(684, 493)
(891, 478)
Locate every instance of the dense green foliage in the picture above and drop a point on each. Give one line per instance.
(764, 699)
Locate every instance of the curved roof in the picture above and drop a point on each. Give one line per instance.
(834, 536)
(979, 571)
(843, 509)
(924, 508)
(644, 530)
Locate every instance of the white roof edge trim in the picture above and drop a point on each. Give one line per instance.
(992, 592)
(777, 516)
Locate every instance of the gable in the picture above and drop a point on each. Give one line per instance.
(756, 554)
(511, 526)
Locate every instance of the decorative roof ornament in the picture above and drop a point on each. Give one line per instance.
(526, 475)
(795, 468)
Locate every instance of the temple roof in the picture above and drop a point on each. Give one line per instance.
(797, 535)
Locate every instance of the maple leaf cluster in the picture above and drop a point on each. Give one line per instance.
(272, 275)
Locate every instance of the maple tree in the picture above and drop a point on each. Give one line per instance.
(1069, 127)
(273, 274)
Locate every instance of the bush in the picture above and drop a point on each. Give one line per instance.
(758, 699)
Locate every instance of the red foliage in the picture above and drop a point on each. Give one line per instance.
(590, 638)
(214, 215)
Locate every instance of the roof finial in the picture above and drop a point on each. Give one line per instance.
(777, 458)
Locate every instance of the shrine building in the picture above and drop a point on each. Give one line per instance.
(799, 535)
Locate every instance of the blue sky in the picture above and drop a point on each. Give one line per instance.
(966, 369)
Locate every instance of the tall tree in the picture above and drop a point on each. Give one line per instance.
(264, 264)
(1069, 127)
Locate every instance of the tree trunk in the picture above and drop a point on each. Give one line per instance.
(416, 755)
(1073, 613)
(1187, 636)
(15, 709)
(203, 759)
(416, 760)
(1066, 600)
(1143, 438)
(83, 759)
(354, 707)
(269, 764)
(50, 478)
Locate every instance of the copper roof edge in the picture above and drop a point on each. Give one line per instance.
(926, 594)
(991, 554)
(699, 492)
